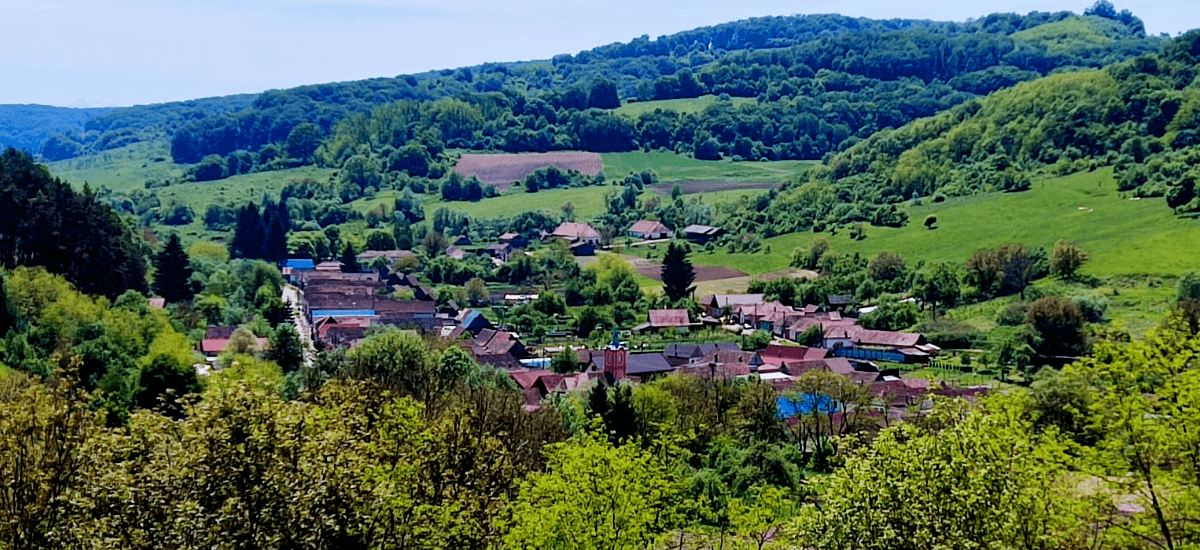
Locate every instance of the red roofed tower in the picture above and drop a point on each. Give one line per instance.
(614, 358)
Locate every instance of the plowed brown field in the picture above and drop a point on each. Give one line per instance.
(502, 170)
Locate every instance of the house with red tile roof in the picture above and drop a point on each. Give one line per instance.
(574, 232)
(669, 318)
(649, 230)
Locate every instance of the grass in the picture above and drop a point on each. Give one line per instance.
(674, 167)
(121, 169)
(681, 106)
(1124, 237)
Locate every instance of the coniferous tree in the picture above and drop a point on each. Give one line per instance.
(286, 349)
(350, 260)
(44, 222)
(172, 272)
(8, 312)
(677, 273)
(276, 222)
(249, 235)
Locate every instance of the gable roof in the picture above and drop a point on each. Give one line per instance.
(776, 354)
(706, 230)
(576, 231)
(665, 318)
(839, 365)
(648, 226)
(646, 363)
(887, 338)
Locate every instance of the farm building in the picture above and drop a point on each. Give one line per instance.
(583, 248)
(577, 232)
(648, 230)
(721, 305)
(501, 251)
(701, 234)
(660, 319)
(514, 239)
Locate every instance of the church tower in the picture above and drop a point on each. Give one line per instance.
(614, 358)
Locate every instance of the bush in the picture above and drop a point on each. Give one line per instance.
(951, 334)
(1093, 307)
(1013, 315)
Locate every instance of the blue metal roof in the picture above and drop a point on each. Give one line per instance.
(299, 264)
(317, 313)
(804, 404)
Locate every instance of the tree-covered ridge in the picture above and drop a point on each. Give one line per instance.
(769, 58)
(28, 126)
(1139, 115)
(820, 81)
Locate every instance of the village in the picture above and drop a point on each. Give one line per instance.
(335, 308)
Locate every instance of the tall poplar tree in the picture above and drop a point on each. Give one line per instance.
(172, 271)
(677, 273)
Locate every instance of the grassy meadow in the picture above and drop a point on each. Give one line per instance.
(1124, 236)
(682, 106)
(675, 167)
(121, 169)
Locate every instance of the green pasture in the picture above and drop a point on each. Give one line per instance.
(675, 167)
(1124, 236)
(682, 106)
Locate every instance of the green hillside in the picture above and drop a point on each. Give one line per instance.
(1124, 236)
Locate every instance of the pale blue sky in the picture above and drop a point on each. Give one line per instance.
(91, 53)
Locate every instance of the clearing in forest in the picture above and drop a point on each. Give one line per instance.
(502, 170)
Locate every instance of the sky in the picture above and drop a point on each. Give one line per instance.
(93, 53)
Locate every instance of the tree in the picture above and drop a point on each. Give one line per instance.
(277, 223)
(812, 336)
(44, 222)
(980, 482)
(8, 312)
(1059, 324)
(603, 95)
(628, 505)
(564, 362)
(173, 271)
(303, 141)
(887, 267)
(1066, 259)
(350, 260)
(939, 285)
(380, 240)
(811, 258)
(248, 234)
(286, 348)
(931, 221)
(435, 243)
(1189, 287)
(677, 273)
(477, 291)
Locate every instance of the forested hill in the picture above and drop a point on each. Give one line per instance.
(822, 82)
(1141, 116)
(27, 126)
(62, 132)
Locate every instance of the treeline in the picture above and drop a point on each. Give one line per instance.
(44, 222)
